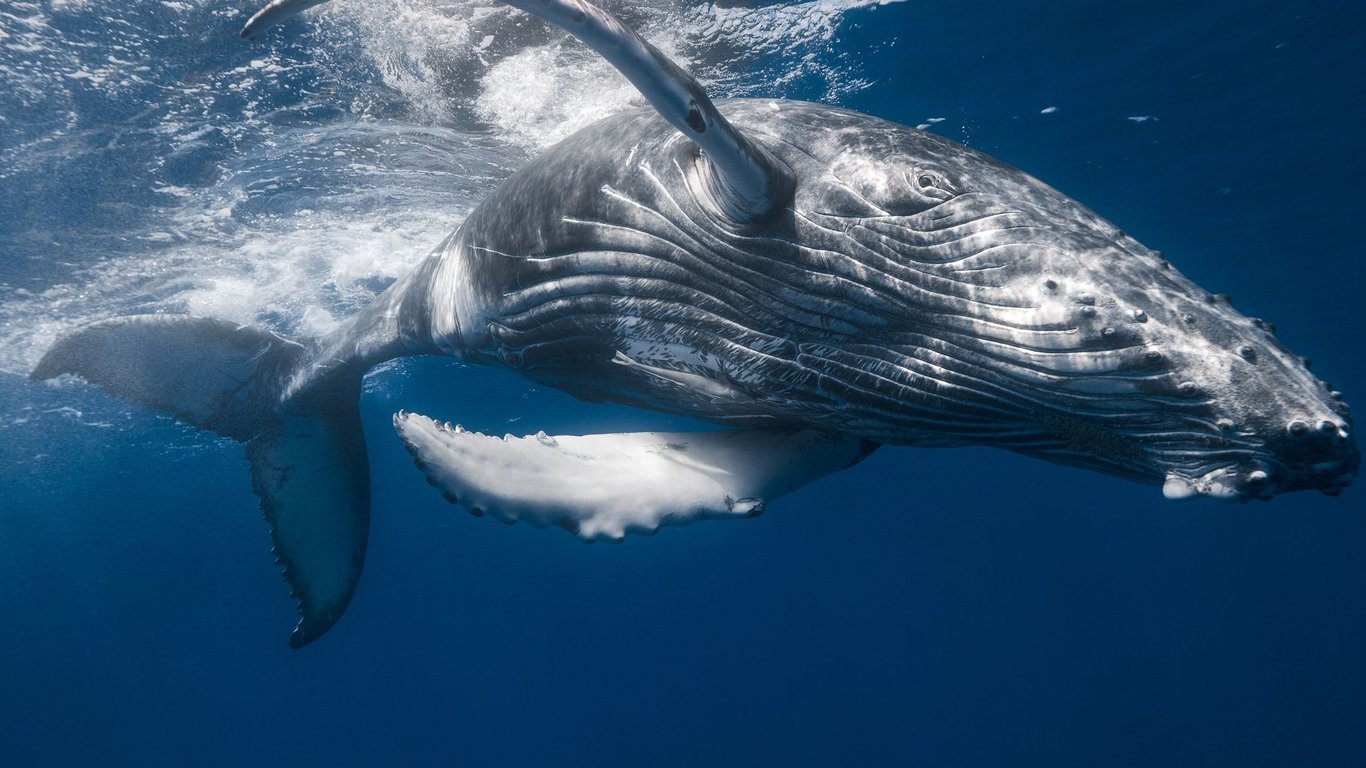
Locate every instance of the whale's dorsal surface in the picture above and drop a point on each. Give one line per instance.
(819, 280)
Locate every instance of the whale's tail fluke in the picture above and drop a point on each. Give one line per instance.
(305, 448)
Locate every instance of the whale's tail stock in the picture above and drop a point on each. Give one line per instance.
(303, 436)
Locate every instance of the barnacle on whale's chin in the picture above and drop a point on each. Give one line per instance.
(1223, 484)
(1326, 460)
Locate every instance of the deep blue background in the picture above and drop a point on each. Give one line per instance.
(963, 607)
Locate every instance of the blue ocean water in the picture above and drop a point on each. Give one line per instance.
(949, 607)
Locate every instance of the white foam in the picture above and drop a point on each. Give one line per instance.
(408, 41)
(542, 95)
(787, 28)
(801, 36)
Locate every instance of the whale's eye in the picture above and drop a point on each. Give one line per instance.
(895, 184)
(932, 184)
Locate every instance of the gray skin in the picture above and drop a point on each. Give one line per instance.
(764, 264)
(915, 292)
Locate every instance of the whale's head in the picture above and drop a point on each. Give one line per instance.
(1266, 424)
(1018, 317)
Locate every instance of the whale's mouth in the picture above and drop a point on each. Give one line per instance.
(1230, 483)
(1245, 481)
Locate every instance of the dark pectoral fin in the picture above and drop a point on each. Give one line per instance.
(743, 180)
(312, 475)
(274, 13)
(746, 182)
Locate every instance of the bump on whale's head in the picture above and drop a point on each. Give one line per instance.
(1029, 322)
(1277, 427)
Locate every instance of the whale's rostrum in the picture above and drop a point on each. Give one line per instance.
(819, 281)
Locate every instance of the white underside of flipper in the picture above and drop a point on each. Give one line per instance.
(605, 486)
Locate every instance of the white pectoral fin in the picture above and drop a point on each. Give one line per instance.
(605, 486)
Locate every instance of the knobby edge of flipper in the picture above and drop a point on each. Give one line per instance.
(605, 486)
(744, 181)
(306, 449)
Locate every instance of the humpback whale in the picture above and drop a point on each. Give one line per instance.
(815, 281)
